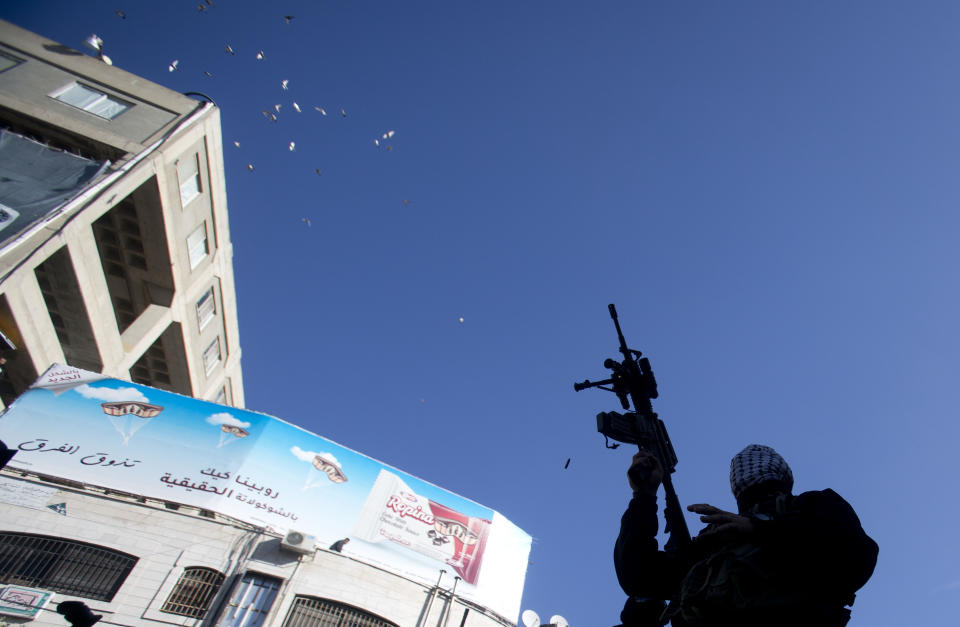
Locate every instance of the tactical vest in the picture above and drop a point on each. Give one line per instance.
(743, 584)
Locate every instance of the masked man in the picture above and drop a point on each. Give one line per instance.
(781, 560)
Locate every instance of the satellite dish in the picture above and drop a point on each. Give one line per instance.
(559, 621)
(530, 618)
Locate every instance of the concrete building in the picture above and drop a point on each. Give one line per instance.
(115, 251)
(140, 562)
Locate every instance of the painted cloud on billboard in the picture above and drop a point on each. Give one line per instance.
(264, 471)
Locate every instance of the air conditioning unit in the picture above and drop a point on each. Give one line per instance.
(298, 542)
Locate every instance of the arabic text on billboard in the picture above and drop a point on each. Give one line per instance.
(262, 470)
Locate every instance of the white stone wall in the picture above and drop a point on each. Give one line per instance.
(167, 541)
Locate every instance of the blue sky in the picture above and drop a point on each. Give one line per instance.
(767, 191)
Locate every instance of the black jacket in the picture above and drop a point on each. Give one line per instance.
(816, 539)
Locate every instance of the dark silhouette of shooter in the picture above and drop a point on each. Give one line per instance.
(781, 559)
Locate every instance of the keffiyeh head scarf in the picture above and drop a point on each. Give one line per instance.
(756, 464)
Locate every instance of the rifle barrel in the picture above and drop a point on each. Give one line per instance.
(590, 384)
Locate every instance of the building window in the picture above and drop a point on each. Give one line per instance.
(7, 214)
(153, 367)
(64, 566)
(212, 355)
(251, 601)
(224, 397)
(8, 61)
(91, 101)
(194, 592)
(188, 173)
(206, 309)
(197, 245)
(314, 612)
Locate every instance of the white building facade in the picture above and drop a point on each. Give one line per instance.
(115, 251)
(141, 562)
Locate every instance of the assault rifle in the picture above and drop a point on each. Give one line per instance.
(633, 377)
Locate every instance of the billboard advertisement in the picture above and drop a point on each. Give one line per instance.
(264, 471)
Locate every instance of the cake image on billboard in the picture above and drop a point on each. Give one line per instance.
(327, 464)
(231, 427)
(128, 417)
(235, 431)
(134, 408)
(395, 513)
(324, 468)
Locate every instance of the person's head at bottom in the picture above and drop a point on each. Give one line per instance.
(757, 474)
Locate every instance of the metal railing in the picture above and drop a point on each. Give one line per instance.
(64, 566)
(314, 612)
(194, 591)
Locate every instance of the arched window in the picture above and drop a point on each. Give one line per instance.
(194, 592)
(64, 566)
(316, 612)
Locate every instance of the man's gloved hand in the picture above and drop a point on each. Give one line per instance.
(645, 473)
(722, 525)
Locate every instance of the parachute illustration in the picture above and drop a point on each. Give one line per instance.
(323, 467)
(231, 429)
(128, 409)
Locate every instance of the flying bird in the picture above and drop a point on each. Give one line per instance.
(342, 112)
(237, 144)
(122, 15)
(230, 50)
(276, 108)
(376, 142)
(284, 83)
(208, 73)
(173, 65)
(292, 146)
(406, 202)
(273, 117)
(305, 221)
(201, 8)
(288, 18)
(296, 106)
(320, 109)
(250, 167)
(567, 464)
(318, 171)
(260, 56)
(460, 319)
